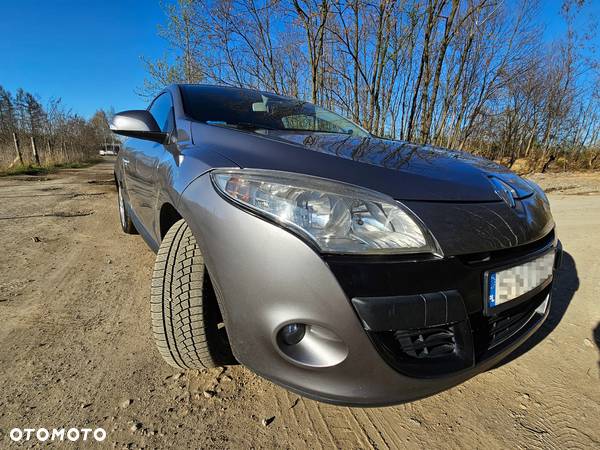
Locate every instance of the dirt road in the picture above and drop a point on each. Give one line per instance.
(76, 349)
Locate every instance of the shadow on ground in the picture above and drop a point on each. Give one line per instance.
(565, 286)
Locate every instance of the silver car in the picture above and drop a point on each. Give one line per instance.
(345, 267)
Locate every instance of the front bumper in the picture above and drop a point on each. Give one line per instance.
(265, 277)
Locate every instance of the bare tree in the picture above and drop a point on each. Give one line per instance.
(182, 35)
(475, 75)
(313, 15)
(25, 123)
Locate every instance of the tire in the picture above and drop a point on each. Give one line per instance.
(124, 218)
(186, 321)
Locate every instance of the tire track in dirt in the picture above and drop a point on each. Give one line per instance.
(66, 325)
(554, 428)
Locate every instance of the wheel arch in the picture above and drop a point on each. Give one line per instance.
(168, 216)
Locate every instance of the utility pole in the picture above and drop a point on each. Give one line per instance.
(17, 148)
(36, 157)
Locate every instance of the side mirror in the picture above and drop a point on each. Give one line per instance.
(138, 124)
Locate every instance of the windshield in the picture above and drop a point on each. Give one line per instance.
(246, 109)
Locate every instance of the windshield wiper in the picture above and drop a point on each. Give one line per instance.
(316, 131)
(253, 126)
(257, 126)
(241, 125)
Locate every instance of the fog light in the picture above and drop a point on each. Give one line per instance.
(310, 345)
(293, 333)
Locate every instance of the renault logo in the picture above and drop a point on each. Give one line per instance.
(504, 191)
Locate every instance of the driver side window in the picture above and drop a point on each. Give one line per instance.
(162, 111)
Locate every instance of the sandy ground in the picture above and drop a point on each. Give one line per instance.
(76, 349)
(578, 183)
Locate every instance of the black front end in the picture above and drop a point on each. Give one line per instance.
(427, 316)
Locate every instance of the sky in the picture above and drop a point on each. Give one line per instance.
(88, 52)
(85, 51)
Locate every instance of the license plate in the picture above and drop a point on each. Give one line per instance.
(508, 284)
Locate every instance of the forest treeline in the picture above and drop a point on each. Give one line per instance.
(476, 75)
(35, 134)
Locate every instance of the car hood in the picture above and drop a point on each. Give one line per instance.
(400, 169)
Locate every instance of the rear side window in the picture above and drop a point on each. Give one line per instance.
(162, 111)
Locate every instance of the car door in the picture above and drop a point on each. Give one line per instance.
(144, 160)
(126, 161)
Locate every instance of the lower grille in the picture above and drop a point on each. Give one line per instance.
(427, 343)
(508, 323)
(427, 352)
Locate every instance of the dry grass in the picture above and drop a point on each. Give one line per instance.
(33, 169)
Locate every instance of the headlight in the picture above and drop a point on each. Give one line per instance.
(337, 217)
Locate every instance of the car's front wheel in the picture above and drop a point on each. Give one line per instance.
(186, 321)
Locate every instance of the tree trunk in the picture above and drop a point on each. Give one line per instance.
(424, 62)
(36, 156)
(547, 163)
(429, 109)
(17, 148)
